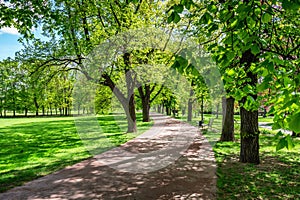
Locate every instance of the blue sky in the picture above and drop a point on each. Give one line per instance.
(9, 43)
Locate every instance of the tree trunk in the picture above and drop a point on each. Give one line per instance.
(43, 110)
(159, 109)
(146, 113)
(228, 119)
(190, 106)
(145, 97)
(36, 106)
(131, 116)
(249, 152)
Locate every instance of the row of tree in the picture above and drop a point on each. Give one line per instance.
(255, 45)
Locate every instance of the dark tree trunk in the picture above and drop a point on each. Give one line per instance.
(50, 110)
(228, 119)
(26, 112)
(249, 151)
(43, 110)
(36, 106)
(146, 113)
(190, 106)
(66, 111)
(145, 97)
(159, 109)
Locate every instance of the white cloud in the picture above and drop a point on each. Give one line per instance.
(9, 30)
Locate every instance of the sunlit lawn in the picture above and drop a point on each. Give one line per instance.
(277, 177)
(34, 147)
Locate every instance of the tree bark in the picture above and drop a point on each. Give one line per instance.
(159, 108)
(144, 92)
(190, 106)
(228, 119)
(36, 106)
(249, 151)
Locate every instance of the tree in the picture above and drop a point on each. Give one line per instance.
(245, 28)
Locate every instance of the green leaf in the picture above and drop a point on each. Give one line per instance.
(231, 72)
(290, 143)
(281, 144)
(255, 49)
(182, 61)
(176, 17)
(178, 8)
(234, 23)
(279, 134)
(266, 17)
(171, 18)
(212, 8)
(230, 55)
(251, 22)
(294, 124)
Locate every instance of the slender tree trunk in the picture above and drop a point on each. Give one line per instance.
(228, 119)
(36, 106)
(43, 110)
(159, 108)
(190, 106)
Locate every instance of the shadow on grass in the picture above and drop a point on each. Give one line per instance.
(31, 150)
(277, 177)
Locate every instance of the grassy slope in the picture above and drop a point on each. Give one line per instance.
(34, 147)
(277, 177)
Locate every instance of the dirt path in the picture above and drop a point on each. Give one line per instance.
(172, 160)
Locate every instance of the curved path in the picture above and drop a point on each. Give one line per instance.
(172, 160)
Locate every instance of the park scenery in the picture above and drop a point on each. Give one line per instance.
(144, 99)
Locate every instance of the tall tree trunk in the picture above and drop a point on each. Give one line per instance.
(131, 116)
(159, 108)
(146, 112)
(249, 151)
(145, 97)
(190, 106)
(228, 119)
(43, 110)
(36, 106)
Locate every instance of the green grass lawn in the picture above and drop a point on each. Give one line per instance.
(34, 147)
(277, 177)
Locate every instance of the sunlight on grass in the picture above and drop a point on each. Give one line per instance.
(277, 177)
(34, 147)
